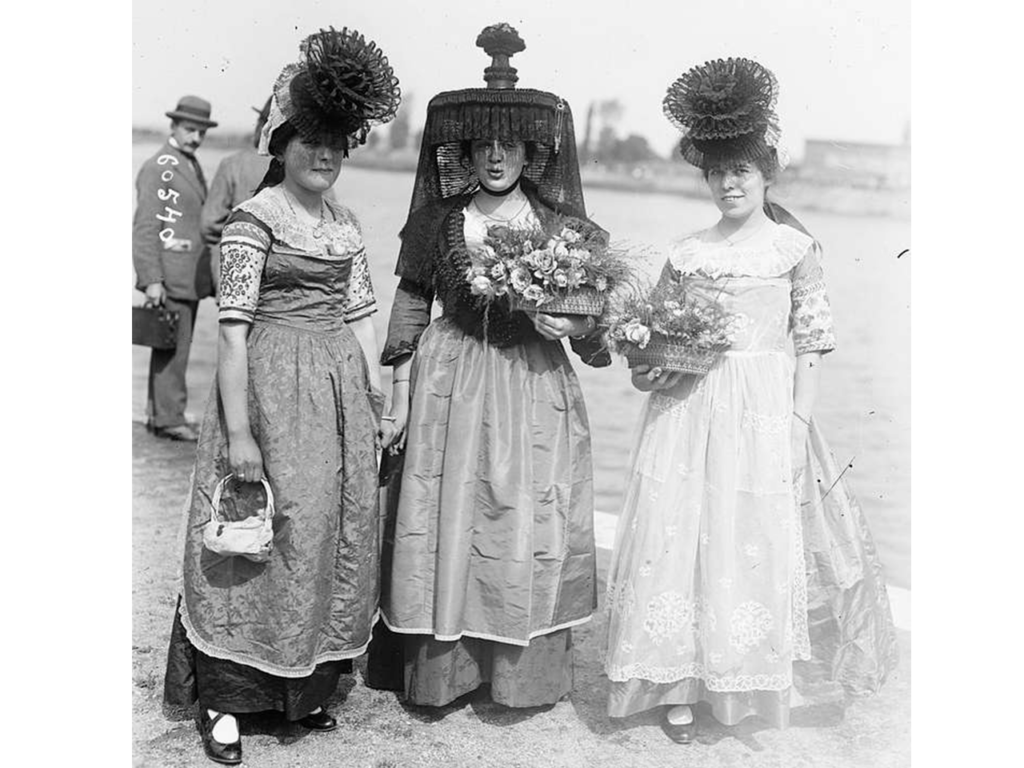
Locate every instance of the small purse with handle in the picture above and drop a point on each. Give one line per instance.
(251, 538)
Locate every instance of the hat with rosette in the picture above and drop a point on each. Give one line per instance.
(340, 88)
(726, 111)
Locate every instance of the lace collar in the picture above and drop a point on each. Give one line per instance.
(772, 255)
(340, 237)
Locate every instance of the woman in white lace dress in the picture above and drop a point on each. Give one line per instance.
(708, 589)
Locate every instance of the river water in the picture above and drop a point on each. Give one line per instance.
(864, 403)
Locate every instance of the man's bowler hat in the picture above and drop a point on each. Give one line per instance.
(193, 108)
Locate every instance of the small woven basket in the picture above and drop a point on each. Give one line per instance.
(585, 301)
(670, 356)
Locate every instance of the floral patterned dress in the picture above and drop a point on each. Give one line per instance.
(708, 589)
(257, 636)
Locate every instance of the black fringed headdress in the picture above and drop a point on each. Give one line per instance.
(726, 111)
(499, 111)
(342, 86)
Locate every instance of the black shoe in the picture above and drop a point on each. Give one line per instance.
(227, 754)
(680, 734)
(182, 432)
(319, 721)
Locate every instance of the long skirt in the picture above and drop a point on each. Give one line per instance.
(489, 558)
(849, 620)
(250, 636)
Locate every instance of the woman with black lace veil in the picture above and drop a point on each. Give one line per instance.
(744, 576)
(489, 558)
(296, 403)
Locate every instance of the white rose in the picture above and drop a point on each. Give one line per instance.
(637, 333)
(481, 286)
(533, 293)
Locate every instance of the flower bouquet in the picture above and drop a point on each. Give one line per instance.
(557, 270)
(671, 328)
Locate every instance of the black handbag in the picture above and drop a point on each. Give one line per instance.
(155, 327)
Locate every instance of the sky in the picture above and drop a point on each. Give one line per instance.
(843, 67)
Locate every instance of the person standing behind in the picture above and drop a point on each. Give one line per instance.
(172, 262)
(236, 180)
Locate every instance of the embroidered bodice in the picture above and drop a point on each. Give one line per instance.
(278, 268)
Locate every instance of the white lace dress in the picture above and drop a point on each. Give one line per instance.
(707, 595)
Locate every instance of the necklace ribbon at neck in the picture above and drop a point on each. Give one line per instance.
(505, 192)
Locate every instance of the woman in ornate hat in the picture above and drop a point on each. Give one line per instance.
(489, 560)
(297, 403)
(742, 562)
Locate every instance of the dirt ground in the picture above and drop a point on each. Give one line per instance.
(379, 731)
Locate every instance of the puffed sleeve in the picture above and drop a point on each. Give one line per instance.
(360, 301)
(243, 252)
(410, 316)
(810, 314)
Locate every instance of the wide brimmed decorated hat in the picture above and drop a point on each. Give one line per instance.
(340, 88)
(503, 112)
(726, 111)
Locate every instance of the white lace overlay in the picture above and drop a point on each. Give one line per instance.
(749, 624)
(707, 578)
(667, 615)
(778, 681)
(701, 254)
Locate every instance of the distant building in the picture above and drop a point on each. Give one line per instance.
(858, 164)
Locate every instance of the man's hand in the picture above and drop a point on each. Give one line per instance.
(156, 294)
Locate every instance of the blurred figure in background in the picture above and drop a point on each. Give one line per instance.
(235, 181)
(172, 261)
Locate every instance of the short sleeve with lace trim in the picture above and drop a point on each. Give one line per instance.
(361, 301)
(811, 314)
(243, 252)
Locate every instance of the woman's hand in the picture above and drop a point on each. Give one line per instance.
(245, 458)
(392, 430)
(393, 425)
(554, 327)
(648, 379)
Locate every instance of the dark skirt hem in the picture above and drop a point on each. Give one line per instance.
(193, 677)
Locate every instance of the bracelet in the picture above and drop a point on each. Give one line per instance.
(399, 381)
(388, 418)
(805, 421)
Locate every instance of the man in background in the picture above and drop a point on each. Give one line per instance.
(172, 261)
(235, 181)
